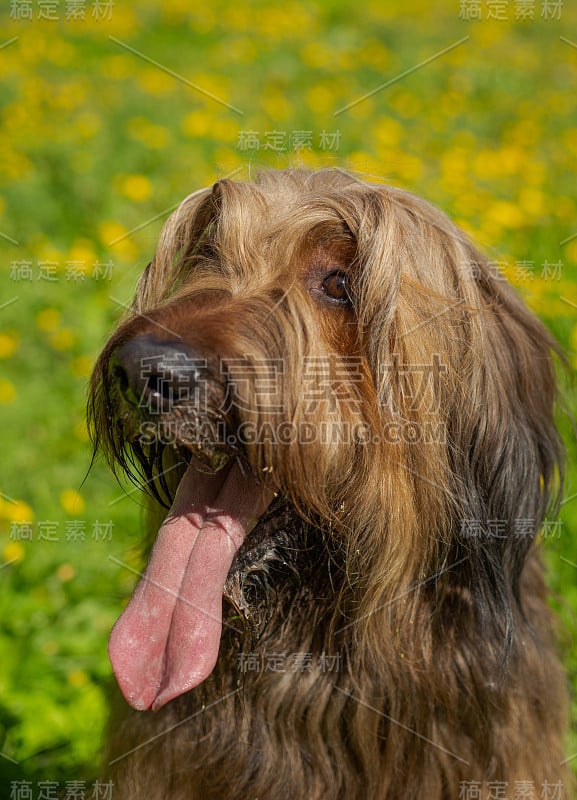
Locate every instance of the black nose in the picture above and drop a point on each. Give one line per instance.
(156, 375)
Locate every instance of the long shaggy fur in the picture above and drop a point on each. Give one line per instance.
(396, 571)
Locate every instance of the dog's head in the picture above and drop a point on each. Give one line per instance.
(313, 346)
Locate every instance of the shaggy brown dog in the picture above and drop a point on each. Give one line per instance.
(345, 600)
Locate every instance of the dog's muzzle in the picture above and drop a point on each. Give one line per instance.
(157, 375)
(175, 396)
(167, 640)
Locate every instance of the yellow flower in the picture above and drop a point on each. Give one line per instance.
(60, 51)
(571, 251)
(72, 501)
(534, 172)
(7, 391)
(228, 158)
(8, 344)
(18, 512)
(509, 160)
(276, 106)
(387, 132)
(279, 24)
(81, 431)
(177, 12)
(153, 136)
(320, 99)
(375, 54)
(123, 21)
(115, 235)
(455, 177)
(364, 163)
(136, 187)
(406, 104)
(77, 678)
(484, 164)
(118, 66)
(62, 339)
(156, 82)
(110, 232)
(14, 165)
(309, 158)
(211, 86)
(570, 140)
(528, 130)
(14, 551)
(532, 201)
(80, 258)
(409, 168)
(66, 572)
(197, 123)
(82, 366)
(505, 214)
(361, 110)
(48, 320)
(87, 124)
(490, 32)
(69, 96)
(317, 55)
(465, 224)
(500, 162)
(34, 46)
(237, 19)
(564, 208)
(44, 251)
(242, 51)
(224, 130)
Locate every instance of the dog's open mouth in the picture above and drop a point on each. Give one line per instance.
(167, 640)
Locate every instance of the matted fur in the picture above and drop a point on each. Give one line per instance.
(408, 559)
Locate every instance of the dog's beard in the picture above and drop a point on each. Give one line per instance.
(167, 640)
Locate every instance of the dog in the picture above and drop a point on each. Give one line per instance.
(348, 415)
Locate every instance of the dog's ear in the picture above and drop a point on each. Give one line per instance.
(467, 371)
(505, 449)
(179, 239)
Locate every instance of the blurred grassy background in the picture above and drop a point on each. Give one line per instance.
(110, 115)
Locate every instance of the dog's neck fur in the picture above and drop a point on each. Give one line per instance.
(295, 709)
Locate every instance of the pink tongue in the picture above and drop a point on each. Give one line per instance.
(166, 641)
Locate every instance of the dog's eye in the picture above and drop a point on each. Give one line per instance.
(336, 286)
